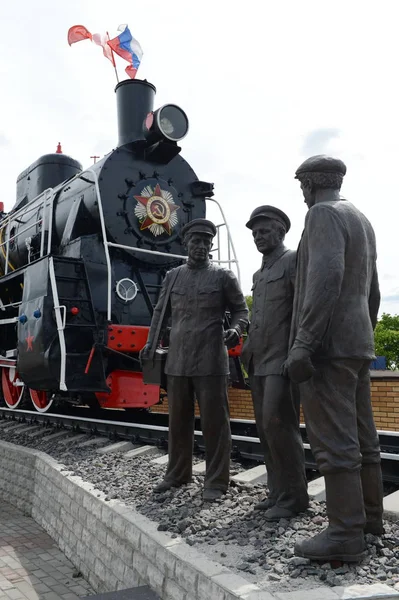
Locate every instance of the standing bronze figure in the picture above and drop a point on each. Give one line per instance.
(276, 405)
(335, 311)
(197, 363)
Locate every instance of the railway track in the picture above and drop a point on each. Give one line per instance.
(152, 429)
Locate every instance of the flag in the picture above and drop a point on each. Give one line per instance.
(102, 39)
(128, 48)
(77, 33)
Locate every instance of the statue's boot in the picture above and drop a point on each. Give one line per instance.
(212, 494)
(266, 503)
(343, 540)
(166, 485)
(275, 513)
(373, 494)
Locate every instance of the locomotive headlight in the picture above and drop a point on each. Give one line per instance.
(172, 121)
(169, 122)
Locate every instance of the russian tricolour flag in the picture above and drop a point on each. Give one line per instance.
(128, 48)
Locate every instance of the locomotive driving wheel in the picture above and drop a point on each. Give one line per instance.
(41, 400)
(13, 388)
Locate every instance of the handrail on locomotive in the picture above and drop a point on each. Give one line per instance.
(47, 206)
(48, 200)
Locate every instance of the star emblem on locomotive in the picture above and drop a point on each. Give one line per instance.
(156, 210)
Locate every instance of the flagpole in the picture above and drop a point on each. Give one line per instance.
(113, 59)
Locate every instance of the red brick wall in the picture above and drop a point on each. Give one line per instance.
(384, 397)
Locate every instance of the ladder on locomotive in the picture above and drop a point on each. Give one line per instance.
(45, 224)
(43, 204)
(70, 287)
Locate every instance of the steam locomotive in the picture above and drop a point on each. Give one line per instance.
(83, 254)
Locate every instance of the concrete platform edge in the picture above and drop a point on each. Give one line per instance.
(116, 548)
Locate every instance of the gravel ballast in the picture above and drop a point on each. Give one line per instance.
(229, 530)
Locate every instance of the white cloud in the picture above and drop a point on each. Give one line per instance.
(255, 80)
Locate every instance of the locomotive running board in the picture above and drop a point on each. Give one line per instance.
(60, 320)
(7, 362)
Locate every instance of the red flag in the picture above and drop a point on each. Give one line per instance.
(77, 33)
(131, 71)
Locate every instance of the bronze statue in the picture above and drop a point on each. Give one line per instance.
(276, 405)
(332, 344)
(197, 362)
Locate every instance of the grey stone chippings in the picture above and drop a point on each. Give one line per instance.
(228, 531)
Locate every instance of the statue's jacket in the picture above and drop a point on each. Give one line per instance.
(198, 301)
(337, 293)
(269, 331)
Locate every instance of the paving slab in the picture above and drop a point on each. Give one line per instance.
(391, 503)
(161, 460)
(200, 468)
(36, 431)
(140, 451)
(95, 441)
(117, 447)
(14, 427)
(255, 475)
(28, 553)
(317, 489)
(24, 428)
(58, 435)
(73, 439)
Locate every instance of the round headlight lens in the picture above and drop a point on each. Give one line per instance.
(172, 122)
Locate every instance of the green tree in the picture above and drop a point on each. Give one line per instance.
(249, 300)
(386, 337)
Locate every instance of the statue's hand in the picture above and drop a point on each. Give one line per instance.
(298, 365)
(143, 354)
(231, 338)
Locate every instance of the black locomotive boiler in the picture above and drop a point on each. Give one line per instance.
(83, 254)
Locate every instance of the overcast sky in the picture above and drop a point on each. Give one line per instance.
(265, 84)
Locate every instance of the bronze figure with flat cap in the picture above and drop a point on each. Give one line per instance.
(335, 310)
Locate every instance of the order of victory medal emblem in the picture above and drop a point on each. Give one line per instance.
(156, 210)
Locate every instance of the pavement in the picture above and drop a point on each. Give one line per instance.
(32, 566)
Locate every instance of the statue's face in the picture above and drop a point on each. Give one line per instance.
(265, 236)
(199, 246)
(308, 195)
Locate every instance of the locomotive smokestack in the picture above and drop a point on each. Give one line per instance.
(135, 99)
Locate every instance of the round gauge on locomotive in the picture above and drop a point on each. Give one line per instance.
(172, 122)
(126, 289)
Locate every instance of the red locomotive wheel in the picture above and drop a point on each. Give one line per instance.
(41, 399)
(13, 394)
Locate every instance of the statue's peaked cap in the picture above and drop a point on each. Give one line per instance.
(321, 164)
(269, 212)
(199, 226)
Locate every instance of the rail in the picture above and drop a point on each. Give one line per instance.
(155, 432)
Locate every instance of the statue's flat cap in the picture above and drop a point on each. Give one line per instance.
(321, 164)
(269, 212)
(199, 226)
